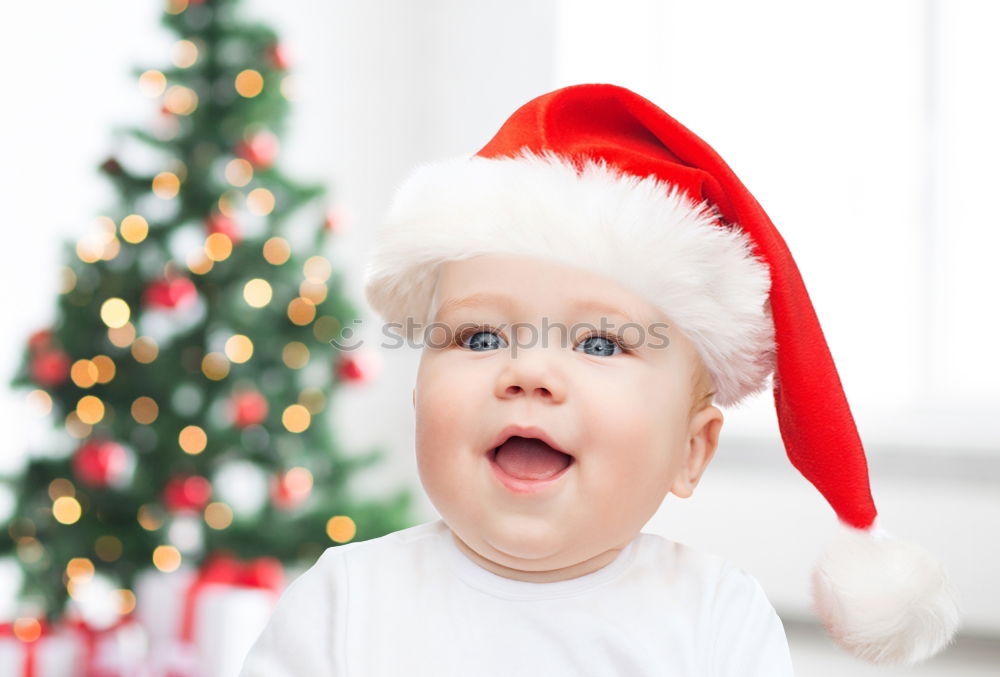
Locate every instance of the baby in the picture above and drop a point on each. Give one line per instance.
(584, 290)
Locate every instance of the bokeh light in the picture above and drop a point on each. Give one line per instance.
(257, 293)
(249, 83)
(108, 547)
(295, 418)
(105, 368)
(260, 201)
(192, 439)
(239, 172)
(184, 53)
(61, 486)
(180, 100)
(122, 336)
(66, 510)
(295, 355)
(301, 311)
(152, 83)
(166, 185)
(314, 292)
(40, 402)
(145, 349)
(277, 251)
(115, 312)
(166, 558)
(218, 246)
(341, 528)
(317, 269)
(90, 409)
(218, 515)
(149, 517)
(239, 348)
(215, 366)
(83, 373)
(134, 229)
(145, 410)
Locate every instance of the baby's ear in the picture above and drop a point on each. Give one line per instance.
(703, 438)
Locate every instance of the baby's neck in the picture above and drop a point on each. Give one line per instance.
(574, 571)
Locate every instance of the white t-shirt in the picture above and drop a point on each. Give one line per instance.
(411, 603)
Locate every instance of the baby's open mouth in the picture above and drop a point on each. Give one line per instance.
(527, 458)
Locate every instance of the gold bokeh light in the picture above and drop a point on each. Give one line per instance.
(192, 440)
(105, 368)
(108, 547)
(341, 528)
(184, 53)
(166, 185)
(115, 312)
(218, 515)
(152, 83)
(296, 418)
(301, 311)
(295, 355)
(239, 348)
(317, 269)
(40, 401)
(84, 373)
(145, 410)
(257, 292)
(61, 486)
(180, 100)
(134, 229)
(260, 201)
(276, 251)
(66, 510)
(215, 366)
(218, 246)
(249, 83)
(166, 558)
(145, 349)
(239, 172)
(149, 518)
(122, 336)
(90, 409)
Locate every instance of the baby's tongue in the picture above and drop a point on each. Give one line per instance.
(530, 459)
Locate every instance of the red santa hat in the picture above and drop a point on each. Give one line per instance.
(598, 177)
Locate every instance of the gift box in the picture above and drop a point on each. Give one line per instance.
(202, 623)
(35, 649)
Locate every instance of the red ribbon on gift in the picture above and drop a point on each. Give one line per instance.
(91, 636)
(261, 572)
(30, 645)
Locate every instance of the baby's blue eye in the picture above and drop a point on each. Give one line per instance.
(604, 345)
(479, 341)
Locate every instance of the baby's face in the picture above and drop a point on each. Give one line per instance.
(622, 416)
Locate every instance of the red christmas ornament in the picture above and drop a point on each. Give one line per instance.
(186, 493)
(178, 292)
(260, 150)
(101, 463)
(248, 408)
(359, 366)
(279, 56)
(39, 340)
(50, 367)
(290, 489)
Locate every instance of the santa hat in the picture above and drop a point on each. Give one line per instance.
(598, 177)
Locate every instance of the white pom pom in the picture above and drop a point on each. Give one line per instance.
(884, 600)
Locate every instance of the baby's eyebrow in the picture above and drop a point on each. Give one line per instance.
(510, 305)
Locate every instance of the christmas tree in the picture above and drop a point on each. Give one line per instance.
(193, 357)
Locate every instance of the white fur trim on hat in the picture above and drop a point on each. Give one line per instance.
(884, 600)
(642, 232)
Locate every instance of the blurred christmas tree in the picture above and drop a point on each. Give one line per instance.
(190, 365)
